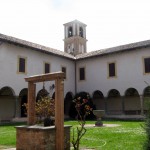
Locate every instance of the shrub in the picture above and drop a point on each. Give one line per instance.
(45, 110)
(147, 128)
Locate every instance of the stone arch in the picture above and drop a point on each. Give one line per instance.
(113, 93)
(146, 92)
(131, 92)
(98, 100)
(7, 103)
(146, 98)
(42, 93)
(67, 102)
(23, 96)
(132, 104)
(7, 91)
(114, 102)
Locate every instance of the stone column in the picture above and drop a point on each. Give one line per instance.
(84, 32)
(17, 111)
(141, 102)
(77, 29)
(31, 103)
(66, 32)
(74, 29)
(106, 109)
(123, 107)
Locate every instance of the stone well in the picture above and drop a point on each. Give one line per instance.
(40, 138)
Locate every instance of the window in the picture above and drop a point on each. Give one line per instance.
(46, 68)
(147, 65)
(70, 32)
(82, 73)
(64, 70)
(21, 65)
(112, 69)
(81, 31)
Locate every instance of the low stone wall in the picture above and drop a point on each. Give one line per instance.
(39, 138)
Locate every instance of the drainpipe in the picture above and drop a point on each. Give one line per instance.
(75, 78)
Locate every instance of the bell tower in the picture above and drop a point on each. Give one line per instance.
(75, 37)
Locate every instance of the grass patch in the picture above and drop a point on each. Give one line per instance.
(127, 136)
(8, 135)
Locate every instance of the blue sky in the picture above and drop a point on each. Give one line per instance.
(109, 23)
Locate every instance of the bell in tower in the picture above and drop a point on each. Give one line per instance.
(75, 37)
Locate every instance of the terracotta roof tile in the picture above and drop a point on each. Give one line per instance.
(117, 49)
(56, 52)
(34, 46)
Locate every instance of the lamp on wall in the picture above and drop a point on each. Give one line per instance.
(51, 88)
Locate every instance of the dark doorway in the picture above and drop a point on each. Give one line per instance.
(23, 97)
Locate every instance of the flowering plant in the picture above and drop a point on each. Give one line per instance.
(83, 108)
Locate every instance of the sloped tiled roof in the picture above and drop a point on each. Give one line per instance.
(56, 52)
(117, 49)
(34, 46)
(77, 21)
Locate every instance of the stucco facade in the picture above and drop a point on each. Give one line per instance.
(35, 65)
(129, 72)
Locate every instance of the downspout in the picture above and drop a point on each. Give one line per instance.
(75, 71)
(75, 78)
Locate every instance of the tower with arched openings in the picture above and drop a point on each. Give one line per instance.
(75, 37)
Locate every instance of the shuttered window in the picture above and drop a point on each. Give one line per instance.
(82, 73)
(21, 65)
(147, 65)
(47, 68)
(112, 70)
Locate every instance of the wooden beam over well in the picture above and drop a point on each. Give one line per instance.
(58, 77)
(45, 77)
(59, 113)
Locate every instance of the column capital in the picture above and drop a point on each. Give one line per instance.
(17, 97)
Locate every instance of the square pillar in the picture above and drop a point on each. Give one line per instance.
(141, 102)
(106, 108)
(31, 103)
(17, 106)
(123, 107)
(59, 113)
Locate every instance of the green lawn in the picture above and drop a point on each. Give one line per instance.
(127, 136)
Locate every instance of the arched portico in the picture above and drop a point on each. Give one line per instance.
(146, 98)
(132, 102)
(114, 102)
(98, 100)
(67, 102)
(7, 103)
(23, 95)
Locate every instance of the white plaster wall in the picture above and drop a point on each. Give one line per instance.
(129, 72)
(7, 107)
(8, 63)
